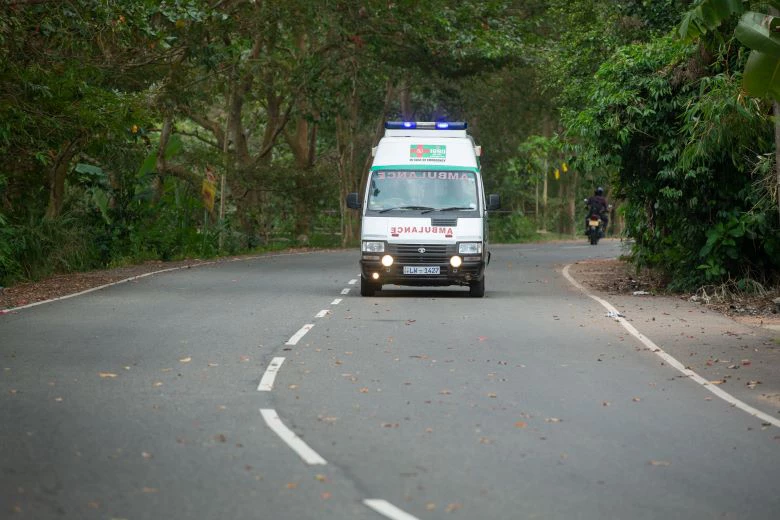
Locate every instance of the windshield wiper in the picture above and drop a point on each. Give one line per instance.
(451, 208)
(427, 208)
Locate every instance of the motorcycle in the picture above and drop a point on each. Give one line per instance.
(595, 231)
(595, 225)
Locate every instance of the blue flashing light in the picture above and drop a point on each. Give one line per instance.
(416, 125)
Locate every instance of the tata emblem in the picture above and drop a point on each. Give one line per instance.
(420, 249)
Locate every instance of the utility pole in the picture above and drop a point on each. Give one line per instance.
(225, 150)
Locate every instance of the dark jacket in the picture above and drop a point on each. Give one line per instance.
(597, 204)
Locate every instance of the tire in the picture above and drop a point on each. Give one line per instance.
(594, 237)
(368, 288)
(477, 289)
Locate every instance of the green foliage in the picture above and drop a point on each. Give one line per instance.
(684, 148)
(513, 227)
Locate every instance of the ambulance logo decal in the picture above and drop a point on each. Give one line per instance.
(396, 231)
(427, 153)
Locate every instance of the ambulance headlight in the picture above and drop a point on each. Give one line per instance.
(387, 260)
(456, 261)
(470, 248)
(373, 247)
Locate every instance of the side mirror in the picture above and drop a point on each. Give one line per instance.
(353, 202)
(494, 202)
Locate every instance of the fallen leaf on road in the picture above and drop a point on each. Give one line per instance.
(149, 490)
(717, 382)
(752, 384)
(492, 395)
(552, 420)
(146, 455)
(157, 383)
(430, 506)
(185, 360)
(292, 485)
(659, 463)
(445, 392)
(636, 399)
(320, 478)
(220, 438)
(106, 375)
(452, 507)
(325, 495)
(521, 424)
(364, 390)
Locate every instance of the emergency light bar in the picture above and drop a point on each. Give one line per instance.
(425, 125)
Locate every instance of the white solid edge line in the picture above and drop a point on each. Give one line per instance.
(303, 450)
(693, 376)
(336, 301)
(322, 313)
(189, 266)
(93, 289)
(385, 508)
(298, 335)
(267, 382)
(353, 281)
(345, 291)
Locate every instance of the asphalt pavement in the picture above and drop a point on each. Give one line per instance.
(268, 388)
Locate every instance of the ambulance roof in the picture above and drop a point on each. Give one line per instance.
(425, 146)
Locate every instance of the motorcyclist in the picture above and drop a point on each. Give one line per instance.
(597, 205)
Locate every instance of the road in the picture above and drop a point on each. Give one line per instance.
(269, 389)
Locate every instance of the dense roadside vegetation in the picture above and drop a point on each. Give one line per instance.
(122, 121)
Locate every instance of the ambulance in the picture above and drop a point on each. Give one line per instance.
(424, 214)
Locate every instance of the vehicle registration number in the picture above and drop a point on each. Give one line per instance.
(421, 269)
(594, 222)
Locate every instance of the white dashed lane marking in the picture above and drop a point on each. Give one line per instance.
(353, 281)
(322, 313)
(267, 382)
(303, 450)
(336, 301)
(345, 291)
(388, 510)
(298, 335)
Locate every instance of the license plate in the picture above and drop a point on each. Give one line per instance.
(421, 269)
(594, 223)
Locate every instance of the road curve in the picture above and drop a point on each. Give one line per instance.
(269, 388)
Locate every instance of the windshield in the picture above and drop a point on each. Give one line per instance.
(422, 190)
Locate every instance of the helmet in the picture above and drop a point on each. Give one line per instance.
(599, 191)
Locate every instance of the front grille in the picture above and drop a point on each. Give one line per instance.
(421, 254)
(444, 221)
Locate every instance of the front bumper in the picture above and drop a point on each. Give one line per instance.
(423, 255)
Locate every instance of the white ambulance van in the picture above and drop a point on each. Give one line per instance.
(424, 210)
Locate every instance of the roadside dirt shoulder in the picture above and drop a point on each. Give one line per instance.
(735, 345)
(66, 284)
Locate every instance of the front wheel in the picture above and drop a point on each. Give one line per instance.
(368, 288)
(477, 289)
(594, 237)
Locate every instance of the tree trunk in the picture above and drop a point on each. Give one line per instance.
(57, 174)
(777, 154)
(544, 198)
